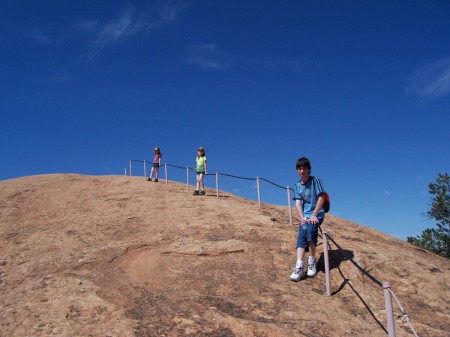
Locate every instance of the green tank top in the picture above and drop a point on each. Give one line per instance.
(200, 164)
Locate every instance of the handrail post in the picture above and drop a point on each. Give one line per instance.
(125, 169)
(187, 177)
(145, 170)
(327, 262)
(130, 169)
(289, 204)
(165, 171)
(258, 185)
(217, 184)
(389, 311)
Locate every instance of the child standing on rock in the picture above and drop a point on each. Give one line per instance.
(156, 163)
(201, 170)
(309, 201)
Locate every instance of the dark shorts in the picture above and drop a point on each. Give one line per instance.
(155, 165)
(306, 234)
(200, 173)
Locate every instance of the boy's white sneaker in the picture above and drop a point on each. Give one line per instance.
(297, 274)
(312, 269)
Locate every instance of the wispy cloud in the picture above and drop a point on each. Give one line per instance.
(166, 13)
(417, 180)
(45, 36)
(101, 34)
(107, 34)
(207, 57)
(431, 81)
(38, 36)
(386, 192)
(128, 25)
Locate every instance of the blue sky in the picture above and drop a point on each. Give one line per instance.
(362, 88)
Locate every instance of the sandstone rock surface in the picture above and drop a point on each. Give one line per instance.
(119, 256)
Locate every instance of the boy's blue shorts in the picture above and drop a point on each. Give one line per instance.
(306, 234)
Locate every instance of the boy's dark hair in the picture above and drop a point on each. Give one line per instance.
(303, 162)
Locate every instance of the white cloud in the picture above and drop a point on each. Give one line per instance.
(432, 80)
(110, 33)
(206, 56)
(386, 192)
(41, 38)
(417, 180)
(127, 25)
(45, 37)
(166, 14)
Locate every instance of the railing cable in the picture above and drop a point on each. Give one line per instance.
(405, 317)
(270, 182)
(232, 176)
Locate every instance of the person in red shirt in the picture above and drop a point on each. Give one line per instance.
(156, 163)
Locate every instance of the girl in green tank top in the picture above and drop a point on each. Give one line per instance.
(201, 170)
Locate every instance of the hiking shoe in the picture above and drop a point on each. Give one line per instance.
(196, 192)
(156, 180)
(312, 270)
(297, 274)
(202, 192)
(149, 179)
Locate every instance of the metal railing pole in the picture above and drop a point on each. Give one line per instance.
(130, 169)
(125, 170)
(389, 311)
(258, 185)
(165, 172)
(217, 184)
(327, 263)
(187, 177)
(289, 205)
(145, 170)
